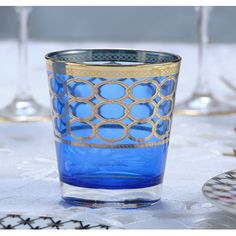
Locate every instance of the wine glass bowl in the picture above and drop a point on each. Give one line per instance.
(23, 108)
(202, 101)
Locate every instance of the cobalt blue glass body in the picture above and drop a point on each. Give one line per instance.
(112, 112)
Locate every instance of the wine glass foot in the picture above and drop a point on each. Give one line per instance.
(24, 110)
(203, 105)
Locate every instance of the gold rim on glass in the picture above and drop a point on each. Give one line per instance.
(116, 71)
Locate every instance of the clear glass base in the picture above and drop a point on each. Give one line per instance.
(24, 110)
(116, 198)
(203, 105)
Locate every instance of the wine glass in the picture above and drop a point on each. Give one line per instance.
(202, 102)
(23, 108)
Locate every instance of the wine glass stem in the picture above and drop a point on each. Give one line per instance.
(202, 86)
(23, 88)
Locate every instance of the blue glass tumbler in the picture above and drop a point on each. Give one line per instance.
(112, 112)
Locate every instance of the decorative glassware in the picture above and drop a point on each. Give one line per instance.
(23, 108)
(112, 113)
(202, 101)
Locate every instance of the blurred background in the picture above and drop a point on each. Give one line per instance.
(173, 29)
(139, 24)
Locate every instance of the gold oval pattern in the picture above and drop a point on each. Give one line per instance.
(82, 139)
(168, 131)
(141, 140)
(53, 92)
(78, 80)
(88, 118)
(129, 115)
(140, 75)
(99, 105)
(99, 85)
(144, 82)
(171, 109)
(170, 78)
(56, 131)
(111, 140)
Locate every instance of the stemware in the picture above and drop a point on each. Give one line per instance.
(23, 107)
(203, 102)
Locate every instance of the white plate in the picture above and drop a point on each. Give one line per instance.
(221, 191)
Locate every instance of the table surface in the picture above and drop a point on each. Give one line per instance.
(29, 177)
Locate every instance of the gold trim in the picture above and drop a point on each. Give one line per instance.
(186, 112)
(145, 139)
(54, 117)
(135, 103)
(170, 78)
(165, 134)
(151, 144)
(103, 83)
(85, 119)
(49, 66)
(145, 81)
(82, 139)
(110, 140)
(78, 80)
(138, 71)
(25, 119)
(171, 109)
(112, 120)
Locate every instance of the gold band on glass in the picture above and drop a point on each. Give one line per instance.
(119, 71)
(94, 145)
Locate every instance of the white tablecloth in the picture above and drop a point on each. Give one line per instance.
(29, 177)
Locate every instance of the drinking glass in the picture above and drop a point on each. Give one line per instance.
(203, 102)
(23, 108)
(112, 112)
